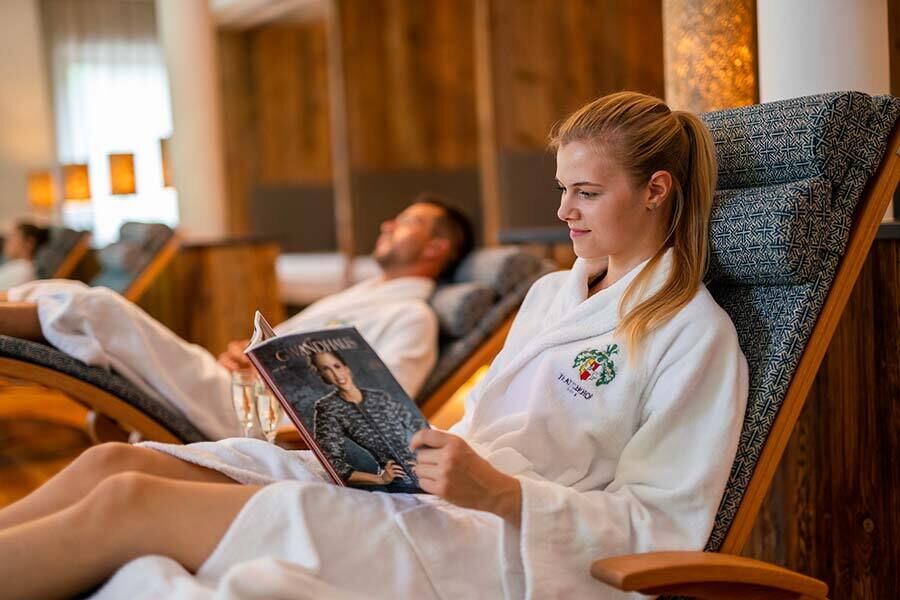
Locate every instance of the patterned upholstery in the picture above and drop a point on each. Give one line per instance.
(459, 306)
(807, 160)
(155, 408)
(509, 271)
(51, 255)
(123, 261)
(770, 235)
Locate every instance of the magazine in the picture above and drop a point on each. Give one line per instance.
(350, 411)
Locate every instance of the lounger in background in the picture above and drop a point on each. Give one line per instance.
(130, 265)
(474, 309)
(62, 254)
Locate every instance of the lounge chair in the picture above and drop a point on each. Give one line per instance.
(799, 204)
(61, 255)
(474, 311)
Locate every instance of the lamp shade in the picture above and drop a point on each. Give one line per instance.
(76, 185)
(41, 189)
(121, 174)
(165, 152)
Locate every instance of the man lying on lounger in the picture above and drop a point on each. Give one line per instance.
(391, 311)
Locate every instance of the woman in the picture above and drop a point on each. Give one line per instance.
(370, 418)
(548, 470)
(19, 249)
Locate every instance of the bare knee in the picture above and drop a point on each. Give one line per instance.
(104, 460)
(118, 496)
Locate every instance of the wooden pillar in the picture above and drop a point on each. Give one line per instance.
(710, 53)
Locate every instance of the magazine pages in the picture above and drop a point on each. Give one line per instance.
(348, 408)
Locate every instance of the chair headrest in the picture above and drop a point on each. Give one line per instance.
(500, 268)
(460, 306)
(771, 235)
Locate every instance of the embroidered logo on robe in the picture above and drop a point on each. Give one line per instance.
(597, 365)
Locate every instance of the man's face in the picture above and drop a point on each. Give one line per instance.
(17, 246)
(405, 238)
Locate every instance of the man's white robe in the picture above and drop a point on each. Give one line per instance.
(101, 328)
(632, 456)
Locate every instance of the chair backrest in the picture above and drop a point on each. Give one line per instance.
(123, 262)
(486, 289)
(55, 258)
(791, 174)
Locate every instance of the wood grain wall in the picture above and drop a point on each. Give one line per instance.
(549, 58)
(274, 82)
(833, 511)
(409, 83)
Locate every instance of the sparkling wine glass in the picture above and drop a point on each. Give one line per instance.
(243, 397)
(268, 410)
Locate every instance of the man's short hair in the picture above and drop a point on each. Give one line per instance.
(454, 225)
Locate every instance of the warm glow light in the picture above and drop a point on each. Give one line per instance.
(710, 53)
(76, 185)
(452, 410)
(165, 151)
(121, 174)
(41, 189)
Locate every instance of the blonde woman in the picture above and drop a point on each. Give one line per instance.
(607, 425)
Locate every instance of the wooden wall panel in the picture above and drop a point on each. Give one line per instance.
(274, 82)
(238, 127)
(290, 87)
(551, 57)
(833, 511)
(409, 83)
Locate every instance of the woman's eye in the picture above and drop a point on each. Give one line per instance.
(561, 188)
(585, 194)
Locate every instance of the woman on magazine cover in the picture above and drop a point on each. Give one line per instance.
(370, 418)
(607, 425)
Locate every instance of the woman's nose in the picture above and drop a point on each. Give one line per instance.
(566, 211)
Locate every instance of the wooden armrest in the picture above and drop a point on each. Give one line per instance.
(289, 438)
(705, 575)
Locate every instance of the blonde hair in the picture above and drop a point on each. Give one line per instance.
(643, 135)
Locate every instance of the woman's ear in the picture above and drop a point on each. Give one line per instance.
(658, 188)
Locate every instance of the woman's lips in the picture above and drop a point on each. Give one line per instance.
(574, 233)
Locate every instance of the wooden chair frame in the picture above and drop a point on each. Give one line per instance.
(146, 277)
(726, 575)
(73, 258)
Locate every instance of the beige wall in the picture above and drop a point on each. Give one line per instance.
(26, 122)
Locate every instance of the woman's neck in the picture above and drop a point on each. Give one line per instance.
(614, 268)
(352, 395)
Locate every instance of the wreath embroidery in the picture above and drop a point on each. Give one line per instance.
(597, 365)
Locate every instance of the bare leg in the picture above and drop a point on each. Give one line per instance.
(127, 516)
(93, 466)
(20, 319)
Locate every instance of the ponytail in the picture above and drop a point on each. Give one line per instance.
(645, 136)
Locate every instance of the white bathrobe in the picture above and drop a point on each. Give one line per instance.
(101, 328)
(16, 272)
(614, 457)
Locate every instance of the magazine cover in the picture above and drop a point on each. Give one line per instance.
(348, 407)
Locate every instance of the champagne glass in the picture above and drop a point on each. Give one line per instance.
(268, 410)
(243, 398)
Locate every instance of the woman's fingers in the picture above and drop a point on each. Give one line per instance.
(431, 438)
(428, 456)
(429, 472)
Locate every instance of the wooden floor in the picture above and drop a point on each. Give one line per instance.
(40, 433)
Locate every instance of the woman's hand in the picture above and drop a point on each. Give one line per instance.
(391, 472)
(448, 467)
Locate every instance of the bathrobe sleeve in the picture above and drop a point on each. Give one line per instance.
(408, 346)
(670, 476)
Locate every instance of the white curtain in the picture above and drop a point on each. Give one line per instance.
(110, 95)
